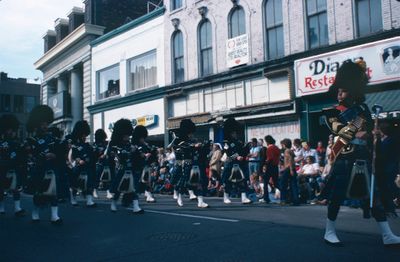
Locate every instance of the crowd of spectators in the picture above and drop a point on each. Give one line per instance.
(294, 173)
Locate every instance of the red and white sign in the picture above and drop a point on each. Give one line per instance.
(316, 74)
(237, 51)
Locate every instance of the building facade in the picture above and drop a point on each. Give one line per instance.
(245, 59)
(128, 76)
(18, 97)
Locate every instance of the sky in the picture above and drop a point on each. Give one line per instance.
(23, 23)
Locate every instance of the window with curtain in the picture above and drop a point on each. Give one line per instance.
(175, 4)
(177, 57)
(274, 28)
(205, 44)
(143, 71)
(368, 16)
(317, 23)
(108, 82)
(237, 24)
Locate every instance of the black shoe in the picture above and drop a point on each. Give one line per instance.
(35, 221)
(20, 213)
(57, 222)
(2, 213)
(92, 206)
(140, 212)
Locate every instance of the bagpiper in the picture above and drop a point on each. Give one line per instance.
(11, 174)
(81, 158)
(233, 176)
(40, 151)
(350, 121)
(103, 163)
(122, 151)
(145, 163)
(187, 174)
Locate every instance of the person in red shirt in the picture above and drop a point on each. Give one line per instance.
(270, 169)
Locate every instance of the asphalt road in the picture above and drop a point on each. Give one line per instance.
(257, 232)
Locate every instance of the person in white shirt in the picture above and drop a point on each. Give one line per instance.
(309, 173)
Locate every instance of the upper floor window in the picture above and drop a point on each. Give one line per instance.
(368, 16)
(317, 23)
(205, 44)
(143, 71)
(237, 25)
(30, 103)
(108, 82)
(175, 4)
(5, 103)
(18, 104)
(274, 28)
(177, 57)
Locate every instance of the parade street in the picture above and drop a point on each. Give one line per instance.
(235, 232)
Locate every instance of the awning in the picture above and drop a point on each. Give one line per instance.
(389, 100)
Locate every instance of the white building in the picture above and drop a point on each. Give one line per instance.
(128, 76)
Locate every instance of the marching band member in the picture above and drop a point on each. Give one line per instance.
(10, 164)
(40, 150)
(187, 173)
(122, 151)
(233, 175)
(351, 122)
(81, 158)
(145, 162)
(103, 167)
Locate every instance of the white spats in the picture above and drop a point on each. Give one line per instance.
(149, 197)
(73, 199)
(89, 201)
(54, 214)
(387, 235)
(95, 194)
(245, 200)
(226, 198)
(201, 203)
(179, 200)
(35, 213)
(175, 194)
(330, 233)
(192, 196)
(17, 206)
(136, 207)
(109, 195)
(113, 206)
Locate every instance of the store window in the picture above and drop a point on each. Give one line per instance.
(5, 104)
(368, 16)
(274, 28)
(205, 44)
(237, 22)
(18, 104)
(143, 71)
(175, 4)
(317, 23)
(177, 57)
(108, 82)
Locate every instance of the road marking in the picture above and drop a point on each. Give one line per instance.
(191, 216)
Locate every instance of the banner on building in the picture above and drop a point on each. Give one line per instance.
(316, 74)
(237, 51)
(278, 131)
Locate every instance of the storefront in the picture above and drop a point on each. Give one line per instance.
(149, 114)
(314, 75)
(263, 102)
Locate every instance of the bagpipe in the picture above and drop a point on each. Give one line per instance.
(123, 160)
